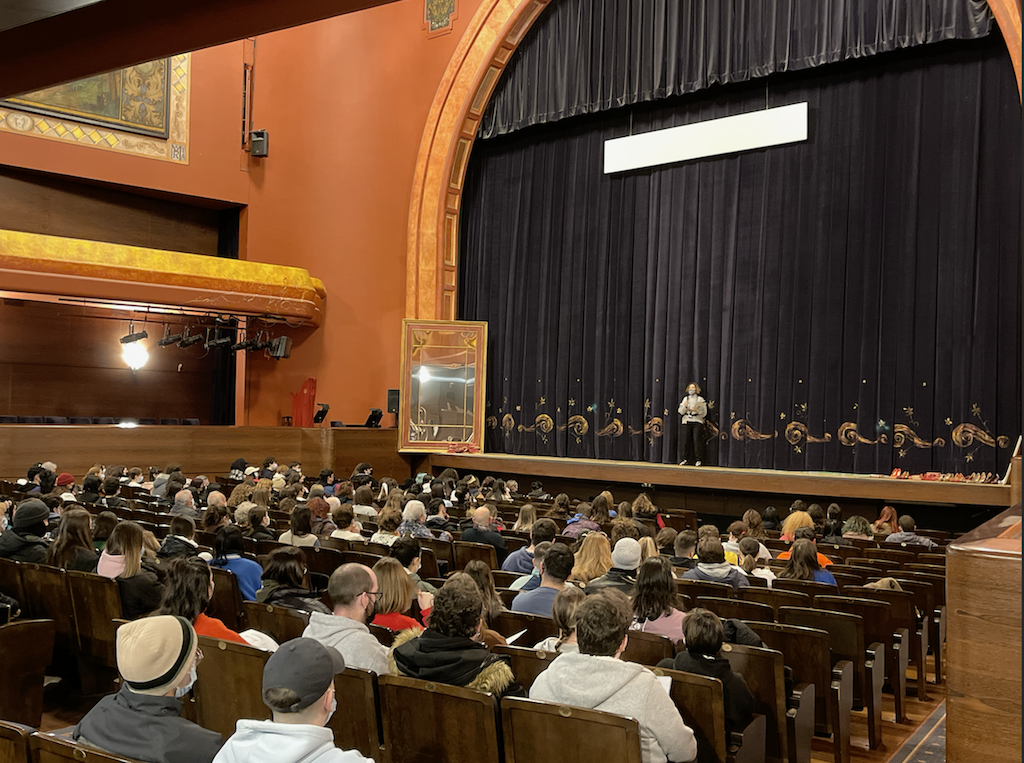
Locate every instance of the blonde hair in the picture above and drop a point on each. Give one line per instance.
(563, 610)
(648, 548)
(394, 500)
(593, 559)
(608, 497)
(527, 516)
(642, 504)
(396, 587)
(126, 540)
(794, 522)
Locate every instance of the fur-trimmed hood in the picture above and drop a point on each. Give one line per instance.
(455, 660)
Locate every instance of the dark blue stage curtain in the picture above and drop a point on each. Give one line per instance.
(587, 56)
(849, 303)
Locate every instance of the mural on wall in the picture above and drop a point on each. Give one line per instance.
(438, 16)
(141, 110)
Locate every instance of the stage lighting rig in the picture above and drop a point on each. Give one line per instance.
(133, 335)
(188, 341)
(168, 339)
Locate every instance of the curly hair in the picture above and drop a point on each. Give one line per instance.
(458, 607)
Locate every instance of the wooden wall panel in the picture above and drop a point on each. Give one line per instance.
(375, 446)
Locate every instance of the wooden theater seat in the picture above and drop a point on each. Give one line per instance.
(14, 742)
(537, 628)
(229, 685)
(46, 748)
(740, 609)
(358, 727)
(26, 648)
(527, 663)
(97, 605)
(543, 731)
(466, 552)
(280, 623)
(226, 603)
(776, 598)
(697, 588)
(648, 648)
(810, 587)
(47, 596)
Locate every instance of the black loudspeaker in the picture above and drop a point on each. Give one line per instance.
(281, 347)
(320, 415)
(373, 420)
(392, 401)
(259, 143)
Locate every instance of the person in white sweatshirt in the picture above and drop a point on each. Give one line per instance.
(298, 686)
(596, 678)
(693, 409)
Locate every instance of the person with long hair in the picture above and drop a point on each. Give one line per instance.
(215, 518)
(803, 564)
(887, 522)
(395, 500)
(657, 607)
(102, 525)
(188, 590)
(362, 501)
(481, 575)
(694, 410)
(559, 507)
(749, 549)
(284, 582)
(319, 511)
(794, 522)
(643, 508)
(388, 523)
(593, 559)
(121, 561)
(770, 519)
(228, 550)
(91, 489)
(648, 548)
(601, 509)
(261, 495)
(396, 595)
(527, 516)
(755, 525)
(73, 549)
(241, 492)
(857, 527)
(563, 610)
(300, 529)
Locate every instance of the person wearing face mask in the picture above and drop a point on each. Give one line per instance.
(157, 658)
(298, 687)
(694, 409)
(353, 590)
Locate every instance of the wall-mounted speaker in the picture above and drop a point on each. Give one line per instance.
(281, 347)
(392, 401)
(259, 143)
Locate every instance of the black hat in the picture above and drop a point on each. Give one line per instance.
(305, 666)
(30, 513)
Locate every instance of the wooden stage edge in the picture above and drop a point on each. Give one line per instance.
(749, 481)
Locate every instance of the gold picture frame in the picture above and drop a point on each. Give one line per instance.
(442, 385)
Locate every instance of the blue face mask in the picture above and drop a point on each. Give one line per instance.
(181, 691)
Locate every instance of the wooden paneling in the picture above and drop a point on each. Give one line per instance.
(983, 602)
(35, 202)
(379, 447)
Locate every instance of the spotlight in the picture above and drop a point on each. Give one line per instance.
(133, 335)
(135, 355)
(245, 344)
(168, 339)
(218, 342)
(188, 341)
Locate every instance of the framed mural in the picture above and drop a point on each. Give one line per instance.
(141, 110)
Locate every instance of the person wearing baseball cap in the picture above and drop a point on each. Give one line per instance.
(157, 658)
(24, 540)
(298, 687)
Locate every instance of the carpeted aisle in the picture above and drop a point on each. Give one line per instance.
(928, 743)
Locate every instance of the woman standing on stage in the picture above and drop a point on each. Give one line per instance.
(693, 409)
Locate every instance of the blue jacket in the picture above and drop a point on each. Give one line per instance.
(248, 573)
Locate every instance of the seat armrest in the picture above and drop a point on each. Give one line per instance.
(748, 745)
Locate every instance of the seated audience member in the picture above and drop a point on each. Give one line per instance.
(326, 478)
(711, 565)
(259, 524)
(750, 563)
(685, 548)
(906, 534)
(237, 470)
(737, 531)
(493, 605)
(438, 518)
(622, 575)
(66, 481)
(665, 540)
(560, 507)
(283, 584)
(537, 492)
(481, 532)
(179, 540)
(657, 607)
(755, 525)
(227, 554)
(527, 516)
(241, 516)
(24, 540)
(704, 636)
(300, 532)
(567, 601)
(345, 520)
(832, 534)
(298, 686)
(589, 679)
(770, 519)
(593, 559)
(102, 525)
(804, 564)
(414, 518)
(857, 528)
(121, 561)
(216, 498)
(73, 550)
(643, 508)
(623, 528)
(353, 591)
(521, 560)
(319, 512)
(531, 581)
(110, 494)
(554, 570)
(396, 595)
(188, 589)
(886, 524)
(407, 552)
(362, 501)
(215, 518)
(157, 658)
(794, 522)
(817, 515)
(344, 491)
(91, 489)
(449, 650)
(806, 533)
(185, 505)
(242, 492)
(648, 548)
(582, 522)
(269, 468)
(388, 522)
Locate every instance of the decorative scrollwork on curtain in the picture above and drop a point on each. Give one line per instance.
(741, 430)
(491, 422)
(508, 423)
(613, 429)
(797, 432)
(902, 434)
(964, 436)
(654, 427)
(849, 436)
(543, 423)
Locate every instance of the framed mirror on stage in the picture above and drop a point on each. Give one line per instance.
(442, 384)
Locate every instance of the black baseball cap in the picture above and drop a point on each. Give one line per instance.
(305, 666)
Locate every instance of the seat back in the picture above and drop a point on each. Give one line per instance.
(442, 549)
(226, 602)
(764, 672)
(229, 685)
(14, 742)
(26, 648)
(11, 583)
(535, 731)
(900, 555)
(537, 628)
(49, 597)
(810, 587)
(386, 636)
(502, 579)
(96, 601)
(648, 648)
(453, 724)
(697, 588)
(527, 663)
(322, 561)
(701, 703)
(45, 748)
(776, 598)
(741, 609)
(358, 727)
(466, 552)
(280, 623)
(846, 635)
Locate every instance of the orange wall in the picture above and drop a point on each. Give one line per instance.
(345, 101)
(213, 170)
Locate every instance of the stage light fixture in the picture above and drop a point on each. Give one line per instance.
(245, 344)
(168, 339)
(135, 355)
(133, 335)
(211, 343)
(188, 341)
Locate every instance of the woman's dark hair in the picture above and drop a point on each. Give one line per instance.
(238, 465)
(599, 510)
(389, 520)
(833, 528)
(300, 521)
(256, 515)
(803, 561)
(74, 532)
(103, 525)
(481, 575)
(228, 541)
(749, 548)
(363, 496)
(771, 514)
(834, 511)
(287, 566)
(186, 587)
(458, 607)
(655, 589)
(47, 481)
(449, 473)
(215, 516)
(91, 484)
(560, 507)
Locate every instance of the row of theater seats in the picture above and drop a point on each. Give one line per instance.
(89, 420)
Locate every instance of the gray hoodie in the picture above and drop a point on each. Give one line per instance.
(623, 688)
(353, 639)
(269, 742)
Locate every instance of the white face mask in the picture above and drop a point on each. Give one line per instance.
(334, 706)
(181, 691)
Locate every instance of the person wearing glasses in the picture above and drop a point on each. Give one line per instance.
(353, 590)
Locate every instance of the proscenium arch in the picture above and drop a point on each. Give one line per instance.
(496, 30)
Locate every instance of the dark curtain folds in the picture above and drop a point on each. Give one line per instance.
(848, 303)
(588, 56)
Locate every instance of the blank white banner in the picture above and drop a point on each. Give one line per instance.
(728, 135)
